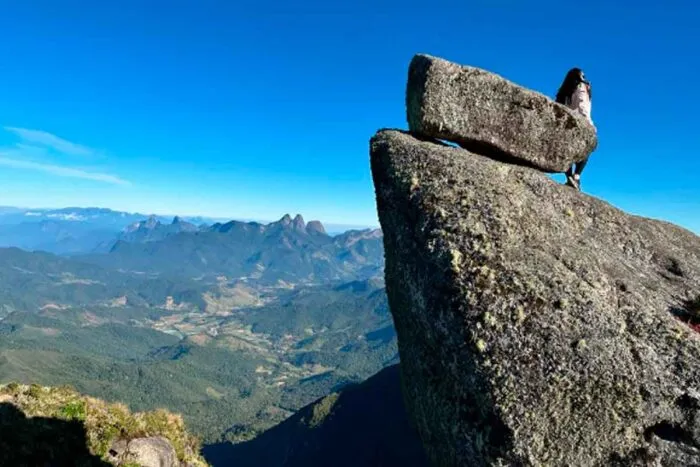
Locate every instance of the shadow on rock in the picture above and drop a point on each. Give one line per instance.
(365, 424)
(42, 441)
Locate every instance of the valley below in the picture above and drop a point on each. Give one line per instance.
(236, 344)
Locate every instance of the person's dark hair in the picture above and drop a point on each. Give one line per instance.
(572, 79)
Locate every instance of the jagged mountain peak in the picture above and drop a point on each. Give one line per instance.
(152, 229)
(298, 223)
(315, 227)
(287, 222)
(293, 252)
(150, 223)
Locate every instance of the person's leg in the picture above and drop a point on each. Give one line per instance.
(570, 178)
(580, 166)
(577, 173)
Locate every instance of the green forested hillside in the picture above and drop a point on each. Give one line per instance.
(235, 326)
(233, 357)
(361, 425)
(32, 281)
(145, 368)
(286, 250)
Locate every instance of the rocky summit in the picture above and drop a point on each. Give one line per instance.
(536, 325)
(488, 114)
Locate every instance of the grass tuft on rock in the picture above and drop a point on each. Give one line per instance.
(104, 422)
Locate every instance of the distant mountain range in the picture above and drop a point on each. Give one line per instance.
(70, 231)
(98, 217)
(235, 324)
(152, 230)
(287, 250)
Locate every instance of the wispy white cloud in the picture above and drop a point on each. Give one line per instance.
(59, 170)
(44, 138)
(36, 149)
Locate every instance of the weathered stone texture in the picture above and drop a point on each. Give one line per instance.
(492, 116)
(536, 325)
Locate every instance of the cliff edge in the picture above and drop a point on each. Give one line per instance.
(537, 325)
(58, 426)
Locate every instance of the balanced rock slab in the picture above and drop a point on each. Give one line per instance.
(536, 325)
(492, 116)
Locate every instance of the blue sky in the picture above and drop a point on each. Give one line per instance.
(253, 109)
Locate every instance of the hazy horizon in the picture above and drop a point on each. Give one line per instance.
(245, 110)
(331, 226)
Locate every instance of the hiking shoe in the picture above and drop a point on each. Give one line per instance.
(573, 182)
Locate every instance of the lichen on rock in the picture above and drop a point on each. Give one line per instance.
(493, 116)
(556, 335)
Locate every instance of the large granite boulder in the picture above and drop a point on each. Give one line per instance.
(155, 451)
(536, 325)
(492, 116)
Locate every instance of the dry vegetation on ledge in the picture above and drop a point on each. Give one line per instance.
(51, 415)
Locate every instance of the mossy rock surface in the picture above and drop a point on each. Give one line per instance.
(536, 325)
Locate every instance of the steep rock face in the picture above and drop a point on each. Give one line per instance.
(285, 221)
(315, 227)
(152, 230)
(493, 116)
(179, 225)
(536, 325)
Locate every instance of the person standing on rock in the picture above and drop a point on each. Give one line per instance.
(575, 93)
